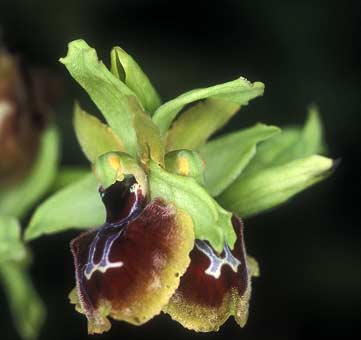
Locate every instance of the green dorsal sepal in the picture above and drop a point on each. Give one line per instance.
(185, 163)
(114, 166)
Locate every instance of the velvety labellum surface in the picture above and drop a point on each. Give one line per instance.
(213, 287)
(130, 267)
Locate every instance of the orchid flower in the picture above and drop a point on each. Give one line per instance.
(164, 202)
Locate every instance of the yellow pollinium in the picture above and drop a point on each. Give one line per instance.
(114, 162)
(183, 166)
(185, 163)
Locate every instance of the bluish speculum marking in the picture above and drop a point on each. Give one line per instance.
(104, 263)
(216, 263)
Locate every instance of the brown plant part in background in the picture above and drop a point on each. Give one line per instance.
(25, 99)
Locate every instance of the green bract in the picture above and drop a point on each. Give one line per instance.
(245, 172)
(227, 156)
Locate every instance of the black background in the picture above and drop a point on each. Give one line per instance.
(304, 51)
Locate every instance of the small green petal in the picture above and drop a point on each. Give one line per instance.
(150, 142)
(197, 124)
(26, 307)
(211, 222)
(238, 91)
(263, 190)
(128, 71)
(227, 156)
(106, 90)
(18, 199)
(95, 138)
(75, 206)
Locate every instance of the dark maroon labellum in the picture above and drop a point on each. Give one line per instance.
(123, 201)
(129, 267)
(210, 276)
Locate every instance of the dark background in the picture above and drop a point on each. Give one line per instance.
(304, 51)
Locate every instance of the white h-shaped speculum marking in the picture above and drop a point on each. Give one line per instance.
(217, 263)
(104, 264)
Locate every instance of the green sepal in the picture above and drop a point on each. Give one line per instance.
(95, 138)
(186, 163)
(106, 90)
(262, 190)
(18, 199)
(26, 307)
(195, 125)
(210, 221)
(292, 143)
(227, 156)
(115, 166)
(11, 247)
(238, 91)
(129, 72)
(75, 206)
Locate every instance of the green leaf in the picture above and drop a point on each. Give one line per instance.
(227, 156)
(106, 90)
(211, 222)
(128, 71)
(11, 247)
(238, 91)
(26, 307)
(17, 200)
(95, 138)
(290, 144)
(76, 206)
(197, 124)
(256, 192)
